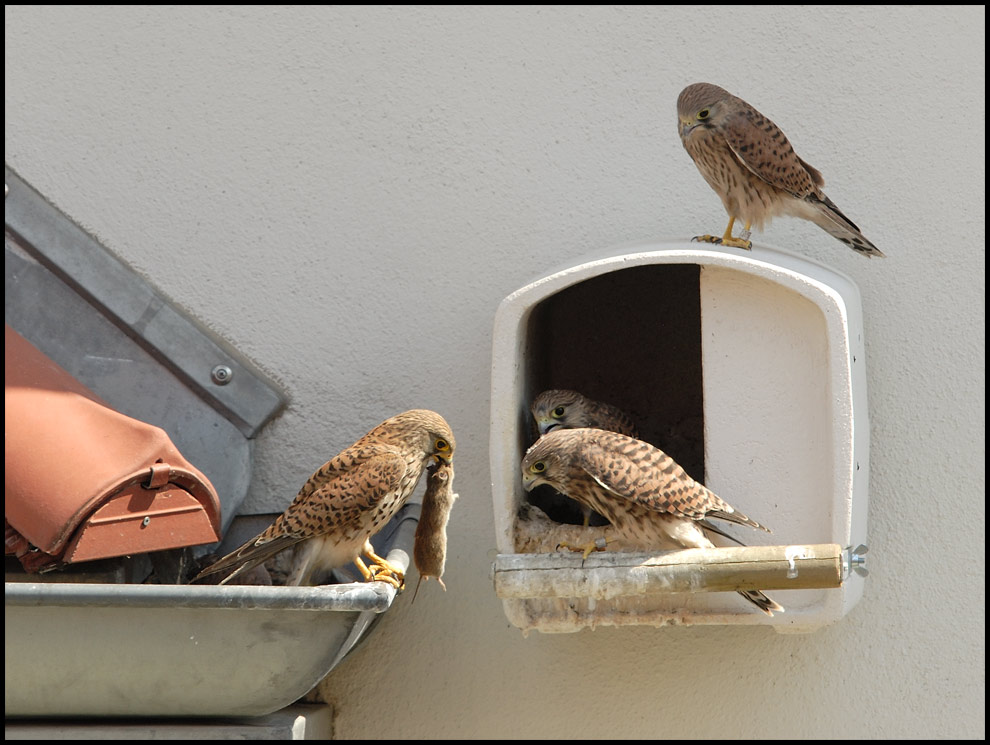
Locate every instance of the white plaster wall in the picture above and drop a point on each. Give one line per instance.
(347, 193)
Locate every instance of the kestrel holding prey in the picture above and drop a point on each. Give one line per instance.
(349, 499)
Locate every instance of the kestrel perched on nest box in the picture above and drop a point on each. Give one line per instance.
(650, 500)
(753, 168)
(349, 499)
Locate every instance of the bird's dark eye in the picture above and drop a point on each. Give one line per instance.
(558, 412)
(703, 114)
(441, 444)
(538, 467)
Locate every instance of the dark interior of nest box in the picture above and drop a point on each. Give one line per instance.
(632, 338)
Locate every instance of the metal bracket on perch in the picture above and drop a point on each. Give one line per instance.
(853, 561)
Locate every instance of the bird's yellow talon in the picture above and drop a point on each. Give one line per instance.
(397, 582)
(381, 571)
(726, 239)
(736, 243)
(386, 573)
(599, 544)
(392, 579)
(707, 239)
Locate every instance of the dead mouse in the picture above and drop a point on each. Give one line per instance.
(430, 547)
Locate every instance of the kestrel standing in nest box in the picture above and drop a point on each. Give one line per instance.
(647, 497)
(570, 410)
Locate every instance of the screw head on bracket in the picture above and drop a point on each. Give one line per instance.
(854, 560)
(221, 374)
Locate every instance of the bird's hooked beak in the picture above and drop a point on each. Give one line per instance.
(688, 126)
(531, 481)
(546, 424)
(442, 459)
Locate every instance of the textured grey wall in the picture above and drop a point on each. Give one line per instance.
(347, 193)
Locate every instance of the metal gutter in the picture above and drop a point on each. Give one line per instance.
(185, 650)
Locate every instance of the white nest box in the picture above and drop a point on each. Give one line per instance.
(747, 367)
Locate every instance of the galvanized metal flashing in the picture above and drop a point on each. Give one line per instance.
(217, 373)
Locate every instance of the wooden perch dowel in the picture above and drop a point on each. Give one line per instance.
(612, 574)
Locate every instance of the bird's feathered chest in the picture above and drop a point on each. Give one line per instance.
(635, 523)
(593, 495)
(744, 194)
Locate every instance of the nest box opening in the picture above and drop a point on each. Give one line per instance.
(600, 335)
(746, 367)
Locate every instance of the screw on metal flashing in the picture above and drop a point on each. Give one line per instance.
(221, 374)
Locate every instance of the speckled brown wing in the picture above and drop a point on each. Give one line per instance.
(637, 471)
(349, 497)
(762, 147)
(342, 494)
(607, 416)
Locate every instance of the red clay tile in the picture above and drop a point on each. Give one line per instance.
(84, 481)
